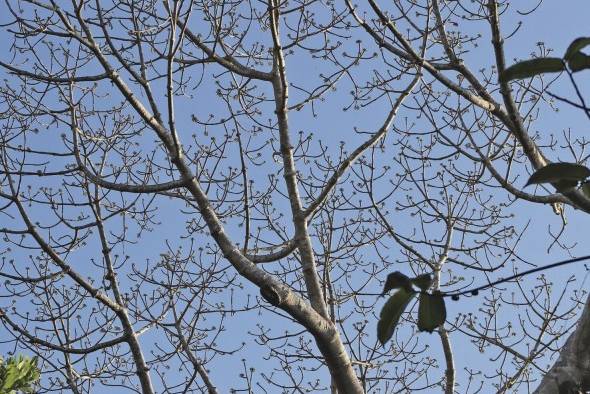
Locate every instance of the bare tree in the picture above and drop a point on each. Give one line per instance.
(193, 190)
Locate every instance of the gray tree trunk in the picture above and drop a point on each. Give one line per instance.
(571, 371)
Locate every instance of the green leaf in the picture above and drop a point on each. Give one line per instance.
(18, 374)
(395, 280)
(575, 47)
(423, 282)
(565, 186)
(432, 312)
(563, 174)
(391, 313)
(12, 375)
(578, 62)
(530, 68)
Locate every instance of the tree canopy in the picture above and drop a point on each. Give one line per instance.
(290, 196)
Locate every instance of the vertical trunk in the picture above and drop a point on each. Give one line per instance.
(571, 371)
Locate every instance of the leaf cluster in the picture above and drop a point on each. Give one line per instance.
(564, 176)
(18, 374)
(574, 58)
(431, 309)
